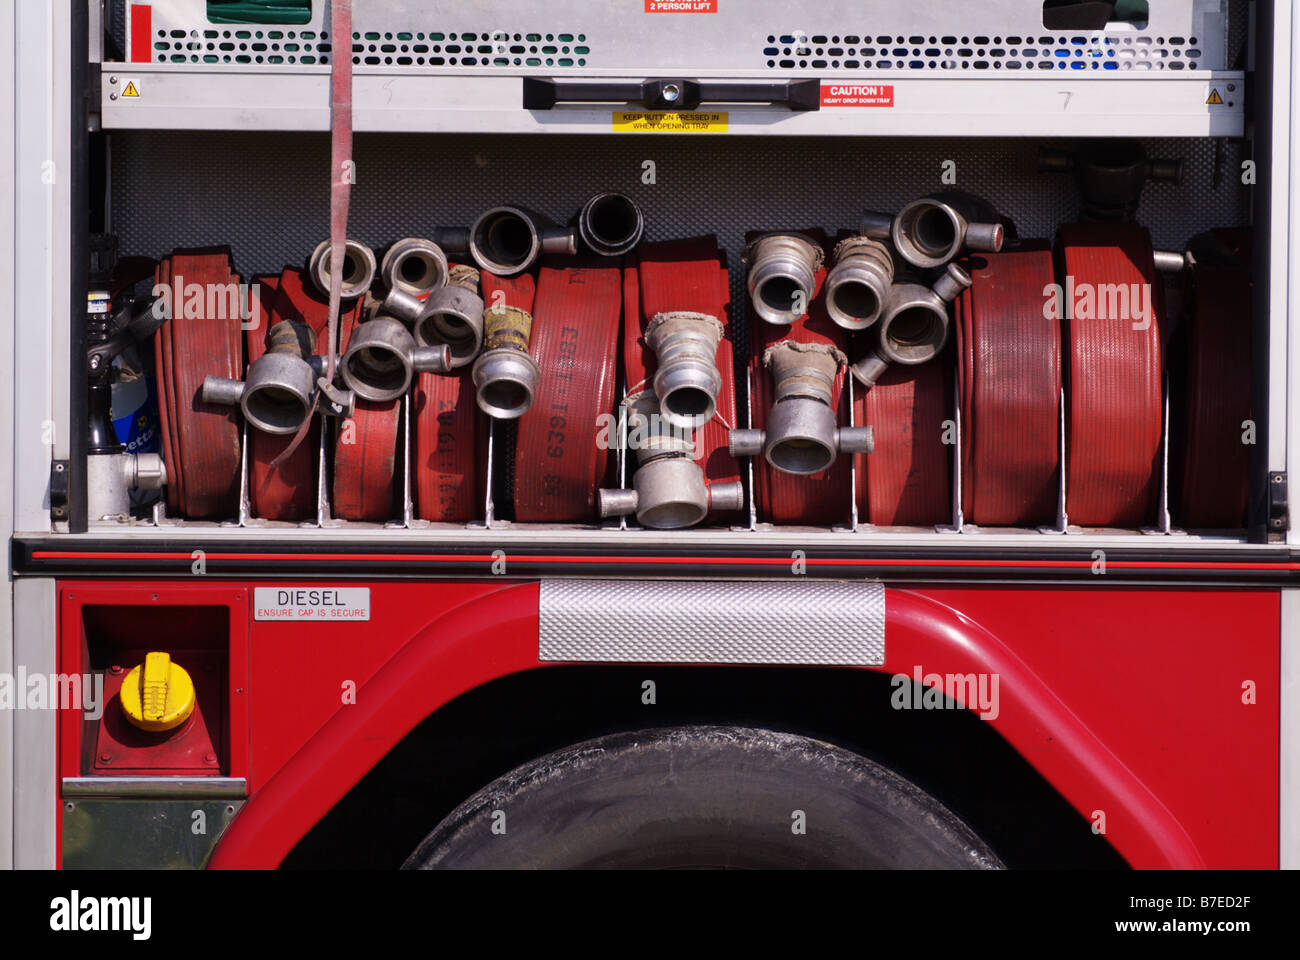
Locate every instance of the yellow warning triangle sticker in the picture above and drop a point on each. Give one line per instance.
(131, 91)
(1214, 96)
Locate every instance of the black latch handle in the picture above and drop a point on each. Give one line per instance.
(541, 93)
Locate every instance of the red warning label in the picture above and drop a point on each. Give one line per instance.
(681, 6)
(857, 95)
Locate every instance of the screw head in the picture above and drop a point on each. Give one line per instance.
(105, 758)
(116, 669)
(209, 758)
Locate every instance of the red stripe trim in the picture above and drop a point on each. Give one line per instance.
(756, 561)
(141, 33)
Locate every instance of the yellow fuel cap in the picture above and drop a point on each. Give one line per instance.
(157, 694)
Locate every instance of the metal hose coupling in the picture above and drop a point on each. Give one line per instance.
(782, 276)
(279, 391)
(359, 269)
(857, 286)
(383, 358)
(929, 232)
(801, 436)
(687, 380)
(669, 491)
(508, 240)
(505, 374)
(453, 315)
(610, 224)
(412, 270)
(915, 327)
(1111, 175)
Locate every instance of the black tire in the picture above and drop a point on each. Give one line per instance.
(701, 797)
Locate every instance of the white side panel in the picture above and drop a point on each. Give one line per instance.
(35, 731)
(7, 68)
(42, 177)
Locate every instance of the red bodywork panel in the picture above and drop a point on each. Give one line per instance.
(1129, 701)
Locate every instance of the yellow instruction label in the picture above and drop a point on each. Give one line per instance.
(691, 121)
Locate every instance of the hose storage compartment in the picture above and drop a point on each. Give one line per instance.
(1009, 383)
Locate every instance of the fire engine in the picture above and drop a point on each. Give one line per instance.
(646, 433)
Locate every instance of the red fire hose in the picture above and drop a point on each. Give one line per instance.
(1009, 376)
(1215, 392)
(906, 482)
(285, 491)
(200, 440)
(818, 499)
(558, 465)
(450, 437)
(683, 275)
(365, 453)
(1114, 377)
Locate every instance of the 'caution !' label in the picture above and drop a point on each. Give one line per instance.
(639, 121)
(857, 95)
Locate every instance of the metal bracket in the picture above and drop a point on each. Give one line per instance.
(1278, 508)
(59, 490)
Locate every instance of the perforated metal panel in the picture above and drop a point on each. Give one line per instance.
(514, 35)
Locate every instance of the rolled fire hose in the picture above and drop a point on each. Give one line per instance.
(201, 445)
(287, 490)
(906, 482)
(684, 286)
(449, 429)
(1214, 386)
(1114, 386)
(365, 453)
(1009, 382)
(823, 498)
(558, 465)
(505, 374)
